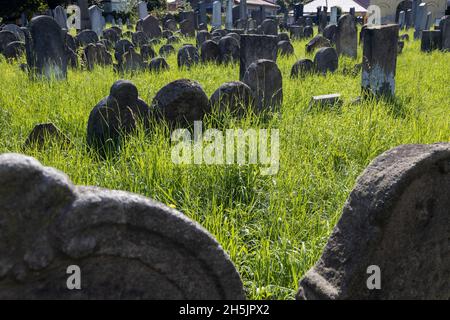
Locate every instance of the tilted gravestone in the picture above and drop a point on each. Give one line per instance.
(217, 14)
(420, 20)
(396, 221)
(181, 102)
(45, 48)
(347, 36)
(132, 61)
(234, 97)
(111, 35)
(255, 47)
(150, 25)
(308, 32)
(201, 37)
(318, 41)
(265, 79)
(115, 116)
(379, 60)
(123, 246)
(120, 48)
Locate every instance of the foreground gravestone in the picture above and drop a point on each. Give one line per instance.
(380, 60)
(444, 26)
(347, 36)
(234, 97)
(115, 116)
(396, 219)
(255, 47)
(125, 245)
(45, 49)
(181, 102)
(265, 79)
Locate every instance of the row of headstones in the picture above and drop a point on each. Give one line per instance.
(438, 39)
(125, 246)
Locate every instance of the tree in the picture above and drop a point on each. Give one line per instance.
(11, 10)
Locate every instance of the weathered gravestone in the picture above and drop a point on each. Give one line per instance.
(334, 15)
(171, 25)
(111, 35)
(126, 246)
(132, 61)
(380, 60)
(187, 56)
(302, 68)
(85, 22)
(96, 54)
(285, 48)
(401, 19)
(431, 40)
(181, 102)
(330, 32)
(96, 17)
(166, 50)
(45, 132)
(444, 26)
(202, 36)
(408, 19)
(45, 48)
(60, 16)
(86, 37)
(229, 23)
(318, 41)
(396, 221)
(150, 25)
(265, 79)
(139, 38)
(202, 12)
(210, 51)
(187, 28)
(6, 37)
(120, 48)
(296, 32)
(255, 47)
(243, 12)
(308, 31)
(19, 33)
(269, 27)
(115, 116)
(420, 20)
(158, 64)
(234, 97)
(147, 52)
(229, 49)
(14, 50)
(217, 14)
(347, 36)
(326, 60)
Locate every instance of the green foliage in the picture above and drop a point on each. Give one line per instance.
(273, 227)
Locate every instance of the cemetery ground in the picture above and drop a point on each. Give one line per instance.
(273, 227)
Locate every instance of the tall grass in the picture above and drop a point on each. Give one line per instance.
(273, 227)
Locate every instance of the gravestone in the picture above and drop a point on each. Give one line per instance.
(269, 27)
(210, 51)
(187, 56)
(189, 15)
(166, 50)
(44, 133)
(86, 37)
(139, 38)
(14, 50)
(352, 11)
(431, 40)
(429, 21)
(396, 220)
(158, 64)
(347, 36)
(421, 20)
(302, 68)
(171, 25)
(285, 48)
(444, 26)
(330, 32)
(217, 15)
(229, 50)
(150, 25)
(326, 60)
(115, 116)
(380, 60)
(147, 52)
(6, 37)
(234, 97)
(132, 61)
(202, 12)
(264, 78)
(255, 47)
(243, 13)
(18, 32)
(96, 17)
(296, 32)
(202, 36)
(187, 28)
(401, 19)
(111, 35)
(308, 31)
(318, 41)
(122, 46)
(298, 11)
(45, 48)
(229, 15)
(60, 16)
(325, 102)
(323, 20)
(51, 224)
(334, 15)
(85, 22)
(142, 10)
(408, 19)
(181, 102)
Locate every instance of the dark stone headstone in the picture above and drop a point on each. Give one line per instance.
(111, 35)
(120, 48)
(326, 60)
(444, 26)
(150, 25)
(347, 36)
(264, 78)
(255, 47)
(302, 68)
(147, 52)
(308, 32)
(431, 40)
(187, 28)
(330, 33)
(14, 50)
(166, 50)
(234, 97)
(139, 38)
(296, 32)
(132, 61)
(44, 133)
(6, 37)
(380, 60)
(125, 246)
(318, 41)
(394, 223)
(298, 11)
(45, 48)
(158, 64)
(269, 27)
(181, 102)
(285, 48)
(229, 49)
(86, 37)
(187, 56)
(202, 36)
(210, 51)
